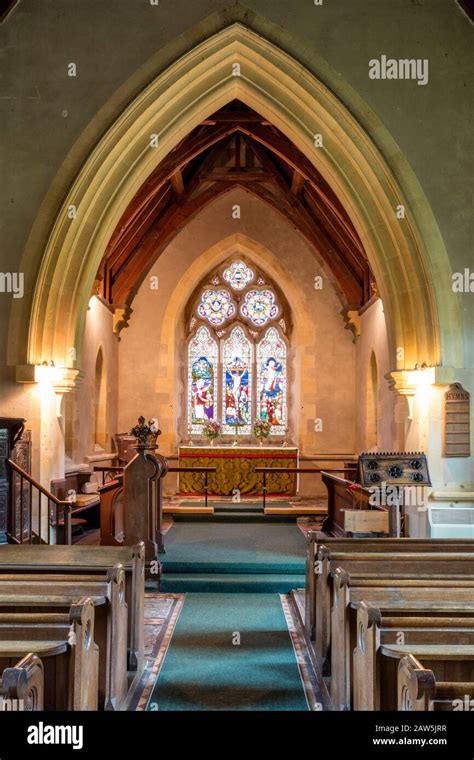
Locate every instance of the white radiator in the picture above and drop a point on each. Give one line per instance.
(451, 522)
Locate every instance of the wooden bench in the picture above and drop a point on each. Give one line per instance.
(23, 684)
(27, 592)
(419, 690)
(316, 540)
(456, 662)
(65, 644)
(399, 563)
(402, 597)
(376, 628)
(93, 560)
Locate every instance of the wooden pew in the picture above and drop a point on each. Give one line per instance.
(350, 545)
(23, 684)
(409, 565)
(419, 690)
(402, 597)
(454, 662)
(93, 560)
(28, 592)
(376, 629)
(65, 644)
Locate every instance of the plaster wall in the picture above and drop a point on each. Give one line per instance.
(80, 426)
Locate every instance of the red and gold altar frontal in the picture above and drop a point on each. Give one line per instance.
(235, 469)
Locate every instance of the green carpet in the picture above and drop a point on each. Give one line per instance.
(231, 583)
(204, 670)
(234, 548)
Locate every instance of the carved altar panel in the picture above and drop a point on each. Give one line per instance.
(235, 469)
(457, 427)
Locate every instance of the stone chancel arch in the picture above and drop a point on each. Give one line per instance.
(276, 86)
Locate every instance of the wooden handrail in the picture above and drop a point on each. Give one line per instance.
(50, 496)
(298, 470)
(192, 469)
(301, 469)
(110, 468)
(60, 504)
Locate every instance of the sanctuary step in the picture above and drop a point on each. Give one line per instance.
(251, 508)
(230, 583)
(250, 511)
(236, 517)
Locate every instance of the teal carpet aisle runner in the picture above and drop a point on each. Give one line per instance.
(230, 652)
(231, 648)
(235, 558)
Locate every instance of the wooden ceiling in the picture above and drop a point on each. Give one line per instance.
(235, 147)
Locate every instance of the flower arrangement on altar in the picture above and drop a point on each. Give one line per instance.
(261, 429)
(211, 429)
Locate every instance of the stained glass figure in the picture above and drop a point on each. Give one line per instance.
(202, 373)
(259, 306)
(237, 383)
(216, 306)
(271, 381)
(238, 275)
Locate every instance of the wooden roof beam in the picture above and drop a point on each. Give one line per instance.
(236, 175)
(297, 183)
(177, 183)
(157, 238)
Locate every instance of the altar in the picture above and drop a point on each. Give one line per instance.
(235, 469)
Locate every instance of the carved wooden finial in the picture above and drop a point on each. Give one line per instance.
(146, 434)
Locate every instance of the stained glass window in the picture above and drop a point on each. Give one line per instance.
(238, 275)
(237, 373)
(271, 381)
(202, 375)
(237, 383)
(216, 306)
(259, 306)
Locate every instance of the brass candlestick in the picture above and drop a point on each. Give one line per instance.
(235, 442)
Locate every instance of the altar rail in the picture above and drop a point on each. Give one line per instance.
(117, 470)
(349, 470)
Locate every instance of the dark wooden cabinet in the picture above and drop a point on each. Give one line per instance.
(20, 489)
(11, 429)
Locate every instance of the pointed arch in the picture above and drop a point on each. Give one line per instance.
(409, 259)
